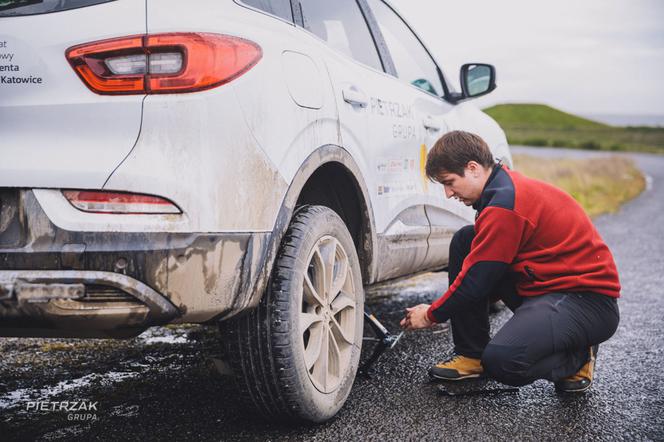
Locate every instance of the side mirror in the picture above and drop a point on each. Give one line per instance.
(476, 79)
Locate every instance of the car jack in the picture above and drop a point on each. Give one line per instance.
(385, 341)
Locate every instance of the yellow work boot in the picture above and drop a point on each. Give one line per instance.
(583, 379)
(456, 368)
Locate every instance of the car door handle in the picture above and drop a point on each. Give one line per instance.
(354, 97)
(431, 124)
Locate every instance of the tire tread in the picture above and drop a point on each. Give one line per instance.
(257, 344)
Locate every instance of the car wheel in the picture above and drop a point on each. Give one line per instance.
(296, 355)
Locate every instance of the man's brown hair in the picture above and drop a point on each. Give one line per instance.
(452, 152)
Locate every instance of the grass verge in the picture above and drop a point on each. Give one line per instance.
(540, 125)
(600, 185)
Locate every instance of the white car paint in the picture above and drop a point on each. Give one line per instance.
(57, 133)
(225, 156)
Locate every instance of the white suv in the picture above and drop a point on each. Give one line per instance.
(252, 163)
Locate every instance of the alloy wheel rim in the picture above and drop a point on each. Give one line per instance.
(327, 314)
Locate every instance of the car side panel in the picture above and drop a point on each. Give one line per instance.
(295, 112)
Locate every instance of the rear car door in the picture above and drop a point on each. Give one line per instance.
(55, 131)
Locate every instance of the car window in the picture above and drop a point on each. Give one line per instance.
(280, 8)
(341, 24)
(33, 7)
(411, 61)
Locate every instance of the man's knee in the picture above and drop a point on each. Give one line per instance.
(506, 364)
(463, 238)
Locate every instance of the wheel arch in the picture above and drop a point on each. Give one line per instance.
(313, 183)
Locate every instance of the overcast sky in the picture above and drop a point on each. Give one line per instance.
(581, 56)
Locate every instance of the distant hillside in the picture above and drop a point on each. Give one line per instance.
(539, 115)
(541, 125)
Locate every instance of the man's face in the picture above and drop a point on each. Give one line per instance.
(467, 188)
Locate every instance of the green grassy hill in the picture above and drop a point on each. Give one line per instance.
(541, 125)
(533, 115)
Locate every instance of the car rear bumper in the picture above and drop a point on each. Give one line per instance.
(78, 303)
(55, 282)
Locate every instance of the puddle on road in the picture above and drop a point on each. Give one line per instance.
(21, 396)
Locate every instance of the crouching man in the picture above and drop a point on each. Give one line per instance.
(533, 247)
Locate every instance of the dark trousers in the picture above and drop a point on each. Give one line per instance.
(548, 337)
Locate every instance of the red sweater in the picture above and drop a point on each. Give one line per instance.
(537, 231)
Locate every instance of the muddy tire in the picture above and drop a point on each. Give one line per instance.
(296, 355)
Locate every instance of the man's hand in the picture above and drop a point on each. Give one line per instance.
(416, 318)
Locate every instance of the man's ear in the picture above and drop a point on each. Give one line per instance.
(473, 167)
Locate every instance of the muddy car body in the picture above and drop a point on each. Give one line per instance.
(145, 179)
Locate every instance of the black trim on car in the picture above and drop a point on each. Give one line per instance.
(377, 36)
(298, 18)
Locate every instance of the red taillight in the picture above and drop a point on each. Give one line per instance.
(162, 63)
(119, 203)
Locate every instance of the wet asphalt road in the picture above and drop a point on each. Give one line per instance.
(163, 384)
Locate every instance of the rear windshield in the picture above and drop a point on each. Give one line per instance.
(31, 7)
